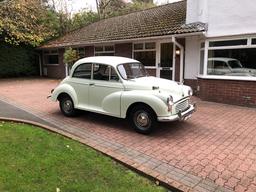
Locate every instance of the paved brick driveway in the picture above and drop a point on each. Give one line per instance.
(213, 151)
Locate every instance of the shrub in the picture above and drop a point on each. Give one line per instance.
(17, 61)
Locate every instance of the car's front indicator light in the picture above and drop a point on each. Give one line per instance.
(190, 92)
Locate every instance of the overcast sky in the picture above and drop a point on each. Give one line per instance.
(91, 5)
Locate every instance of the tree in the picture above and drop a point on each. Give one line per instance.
(84, 18)
(110, 8)
(70, 56)
(23, 21)
(144, 1)
(64, 16)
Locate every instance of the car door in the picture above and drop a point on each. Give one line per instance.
(221, 68)
(105, 90)
(80, 80)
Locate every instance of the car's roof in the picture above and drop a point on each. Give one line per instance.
(221, 59)
(109, 60)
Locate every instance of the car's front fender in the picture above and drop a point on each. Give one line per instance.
(67, 89)
(128, 98)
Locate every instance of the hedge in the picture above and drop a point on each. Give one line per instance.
(17, 61)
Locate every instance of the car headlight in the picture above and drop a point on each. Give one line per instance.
(169, 103)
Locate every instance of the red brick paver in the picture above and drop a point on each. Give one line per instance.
(213, 151)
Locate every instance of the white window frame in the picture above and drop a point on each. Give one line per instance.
(144, 50)
(207, 48)
(104, 46)
(51, 52)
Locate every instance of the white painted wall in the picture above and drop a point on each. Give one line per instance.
(224, 17)
(197, 10)
(192, 57)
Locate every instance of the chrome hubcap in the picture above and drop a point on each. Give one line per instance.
(142, 119)
(67, 106)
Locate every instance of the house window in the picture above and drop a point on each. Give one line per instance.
(107, 50)
(51, 57)
(253, 41)
(233, 58)
(145, 53)
(228, 43)
(232, 62)
(80, 52)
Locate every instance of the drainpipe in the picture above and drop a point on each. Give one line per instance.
(181, 57)
(40, 64)
(66, 70)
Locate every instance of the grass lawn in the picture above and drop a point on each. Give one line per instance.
(33, 159)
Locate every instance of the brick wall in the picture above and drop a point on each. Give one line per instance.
(55, 71)
(89, 51)
(124, 50)
(193, 83)
(226, 91)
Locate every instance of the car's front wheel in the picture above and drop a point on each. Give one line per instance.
(143, 119)
(67, 106)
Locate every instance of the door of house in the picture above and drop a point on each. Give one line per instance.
(166, 61)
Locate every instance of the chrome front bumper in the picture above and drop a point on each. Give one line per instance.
(179, 116)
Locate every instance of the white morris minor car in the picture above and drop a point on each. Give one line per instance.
(228, 66)
(121, 87)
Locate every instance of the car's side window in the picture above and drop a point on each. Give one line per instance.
(104, 73)
(220, 65)
(83, 71)
(111, 73)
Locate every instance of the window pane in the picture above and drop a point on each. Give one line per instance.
(166, 54)
(81, 52)
(228, 43)
(109, 48)
(202, 45)
(54, 51)
(147, 58)
(166, 74)
(201, 62)
(98, 48)
(112, 71)
(104, 54)
(138, 46)
(83, 71)
(51, 59)
(232, 62)
(150, 45)
(254, 41)
(99, 72)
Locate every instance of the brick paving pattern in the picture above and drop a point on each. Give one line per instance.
(215, 150)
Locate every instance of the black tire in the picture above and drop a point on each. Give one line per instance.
(67, 106)
(142, 118)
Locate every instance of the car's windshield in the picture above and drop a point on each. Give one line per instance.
(235, 64)
(132, 70)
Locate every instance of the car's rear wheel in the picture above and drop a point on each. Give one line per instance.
(67, 106)
(142, 118)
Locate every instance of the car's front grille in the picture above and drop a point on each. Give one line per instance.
(182, 106)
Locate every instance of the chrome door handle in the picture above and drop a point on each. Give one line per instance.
(91, 84)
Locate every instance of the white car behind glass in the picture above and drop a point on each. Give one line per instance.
(228, 66)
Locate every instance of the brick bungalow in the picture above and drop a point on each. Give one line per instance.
(210, 45)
